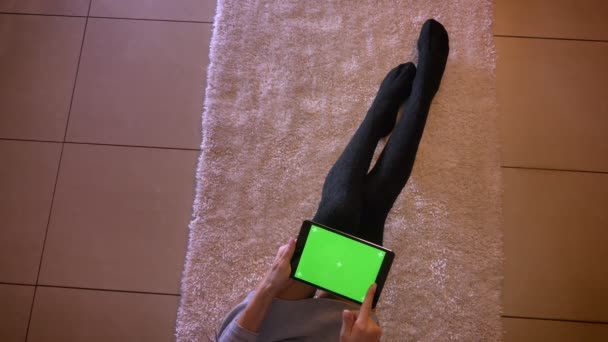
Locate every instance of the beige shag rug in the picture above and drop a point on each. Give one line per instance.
(288, 83)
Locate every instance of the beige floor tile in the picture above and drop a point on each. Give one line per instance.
(38, 59)
(27, 178)
(552, 97)
(61, 7)
(141, 83)
(69, 315)
(552, 18)
(555, 244)
(194, 10)
(530, 330)
(120, 218)
(15, 304)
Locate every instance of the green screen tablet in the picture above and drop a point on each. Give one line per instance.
(339, 263)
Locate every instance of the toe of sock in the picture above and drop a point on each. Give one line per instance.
(435, 36)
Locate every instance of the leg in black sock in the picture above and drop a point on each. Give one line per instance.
(342, 197)
(392, 171)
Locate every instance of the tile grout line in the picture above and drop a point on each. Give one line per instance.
(31, 140)
(103, 144)
(553, 38)
(44, 243)
(109, 290)
(549, 169)
(211, 22)
(179, 295)
(93, 289)
(48, 222)
(45, 15)
(554, 319)
(134, 146)
(150, 19)
(199, 150)
(105, 17)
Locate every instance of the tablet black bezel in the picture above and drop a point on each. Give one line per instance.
(382, 273)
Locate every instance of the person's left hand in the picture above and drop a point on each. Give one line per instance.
(277, 277)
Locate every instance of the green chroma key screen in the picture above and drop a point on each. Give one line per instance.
(339, 264)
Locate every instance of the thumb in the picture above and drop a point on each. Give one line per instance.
(348, 319)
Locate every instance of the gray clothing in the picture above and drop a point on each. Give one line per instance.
(313, 319)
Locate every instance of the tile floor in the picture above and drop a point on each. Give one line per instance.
(99, 133)
(551, 74)
(99, 138)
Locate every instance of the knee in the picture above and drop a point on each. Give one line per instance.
(338, 210)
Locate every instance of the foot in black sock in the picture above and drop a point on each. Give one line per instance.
(433, 49)
(392, 171)
(341, 199)
(394, 90)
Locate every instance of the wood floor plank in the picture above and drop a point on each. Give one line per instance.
(68, 315)
(532, 330)
(555, 244)
(552, 98)
(552, 18)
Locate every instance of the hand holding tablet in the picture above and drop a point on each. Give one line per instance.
(339, 263)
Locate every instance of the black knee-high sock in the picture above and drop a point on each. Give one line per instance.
(390, 174)
(342, 196)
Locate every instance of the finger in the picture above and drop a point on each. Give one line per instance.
(291, 248)
(282, 250)
(366, 307)
(279, 254)
(348, 320)
(286, 251)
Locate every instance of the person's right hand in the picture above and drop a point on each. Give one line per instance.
(359, 326)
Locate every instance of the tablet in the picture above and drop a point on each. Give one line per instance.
(339, 263)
